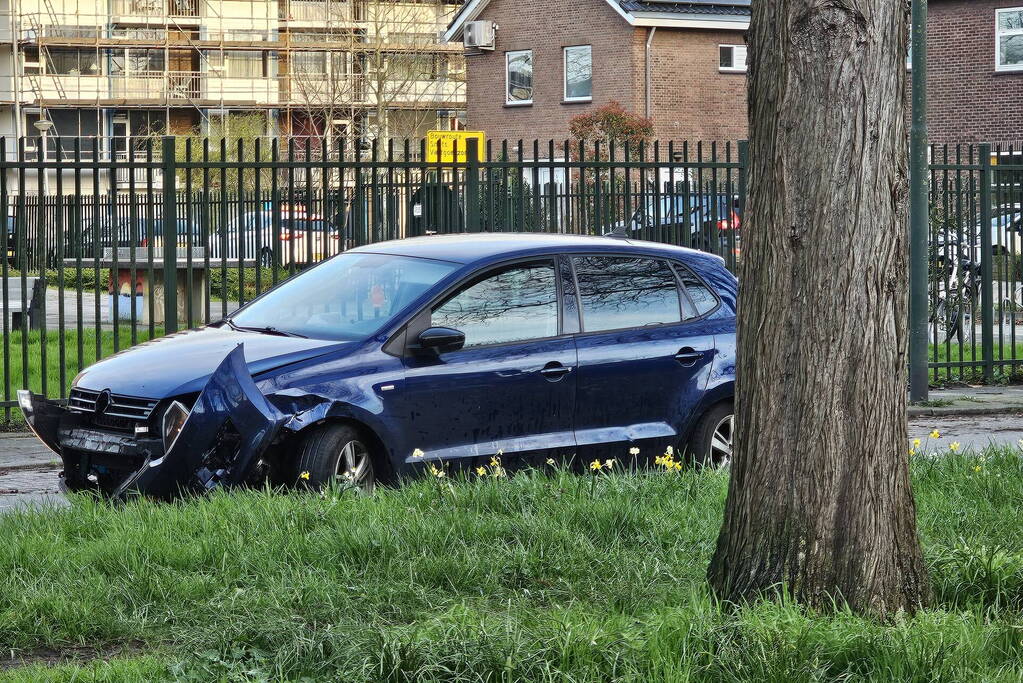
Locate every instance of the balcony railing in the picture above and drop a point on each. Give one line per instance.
(181, 88)
(157, 8)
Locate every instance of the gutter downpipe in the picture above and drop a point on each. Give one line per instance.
(16, 71)
(647, 94)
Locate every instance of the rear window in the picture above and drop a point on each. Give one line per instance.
(618, 292)
(703, 299)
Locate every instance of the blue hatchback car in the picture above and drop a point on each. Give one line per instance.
(395, 356)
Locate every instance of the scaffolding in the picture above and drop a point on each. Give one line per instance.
(310, 67)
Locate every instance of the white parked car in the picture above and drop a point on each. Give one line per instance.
(296, 238)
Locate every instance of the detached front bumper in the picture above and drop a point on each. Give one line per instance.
(230, 425)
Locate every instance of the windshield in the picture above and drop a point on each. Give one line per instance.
(347, 298)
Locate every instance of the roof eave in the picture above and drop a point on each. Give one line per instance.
(473, 8)
(724, 22)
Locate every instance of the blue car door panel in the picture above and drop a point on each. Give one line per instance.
(511, 389)
(644, 354)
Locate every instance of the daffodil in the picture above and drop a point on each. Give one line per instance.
(977, 468)
(439, 473)
(596, 465)
(634, 451)
(609, 463)
(495, 462)
(304, 475)
(481, 471)
(550, 461)
(418, 453)
(935, 434)
(916, 443)
(669, 451)
(912, 451)
(954, 446)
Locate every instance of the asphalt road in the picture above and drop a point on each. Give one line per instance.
(28, 471)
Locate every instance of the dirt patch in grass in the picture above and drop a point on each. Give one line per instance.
(14, 659)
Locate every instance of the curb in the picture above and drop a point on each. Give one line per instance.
(964, 411)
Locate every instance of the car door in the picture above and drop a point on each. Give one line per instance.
(644, 355)
(511, 388)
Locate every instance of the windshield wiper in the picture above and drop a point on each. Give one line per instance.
(269, 329)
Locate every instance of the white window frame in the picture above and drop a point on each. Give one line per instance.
(507, 78)
(564, 71)
(733, 69)
(999, 33)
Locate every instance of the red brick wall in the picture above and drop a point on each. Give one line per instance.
(968, 100)
(691, 99)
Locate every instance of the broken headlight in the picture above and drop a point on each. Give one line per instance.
(173, 420)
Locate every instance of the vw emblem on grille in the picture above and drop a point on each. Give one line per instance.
(102, 402)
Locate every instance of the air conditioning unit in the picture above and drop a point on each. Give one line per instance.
(479, 35)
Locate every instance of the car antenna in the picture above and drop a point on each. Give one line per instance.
(620, 232)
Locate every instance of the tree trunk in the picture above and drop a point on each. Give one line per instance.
(820, 507)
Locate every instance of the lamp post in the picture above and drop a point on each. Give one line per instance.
(44, 126)
(919, 214)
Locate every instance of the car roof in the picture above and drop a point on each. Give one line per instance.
(476, 247)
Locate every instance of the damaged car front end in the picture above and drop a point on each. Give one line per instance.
(121, 445)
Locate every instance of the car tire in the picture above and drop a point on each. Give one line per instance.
(710, 444)
(336, 453)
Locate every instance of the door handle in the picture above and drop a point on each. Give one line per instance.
(554, 371)
(688, 356)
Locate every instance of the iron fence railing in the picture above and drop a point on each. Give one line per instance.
(105, 250)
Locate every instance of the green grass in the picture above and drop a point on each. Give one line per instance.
(32, 343)
(536, 578)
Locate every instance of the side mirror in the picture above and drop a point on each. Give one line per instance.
(441, 339)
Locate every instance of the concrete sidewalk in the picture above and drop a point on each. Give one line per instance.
(971, 401)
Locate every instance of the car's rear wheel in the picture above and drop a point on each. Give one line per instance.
(711, 441)
(336, 453)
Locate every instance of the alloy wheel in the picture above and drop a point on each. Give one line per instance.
(720, 454)
(355, 467)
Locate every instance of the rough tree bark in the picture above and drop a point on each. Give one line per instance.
(819, 505)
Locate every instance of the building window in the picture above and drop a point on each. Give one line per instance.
(73, 62)
(1009, 39)
(733, 58)
(245, 64)
(519, 76)
(578, 73)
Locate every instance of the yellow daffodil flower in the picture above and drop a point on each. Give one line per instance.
(596, 465)
(935, 434)
(304, 475)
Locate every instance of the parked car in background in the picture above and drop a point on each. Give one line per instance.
(11, 242)
(295, 237)
(449, 351)
(712, 221)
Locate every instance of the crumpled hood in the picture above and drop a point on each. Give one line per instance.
(182, 363)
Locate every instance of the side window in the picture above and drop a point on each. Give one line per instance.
(703, 299)
(617, 292)
(515, 304)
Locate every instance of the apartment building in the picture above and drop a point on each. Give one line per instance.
(106, 72)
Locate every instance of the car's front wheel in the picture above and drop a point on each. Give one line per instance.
(711, 441)
(336, 453)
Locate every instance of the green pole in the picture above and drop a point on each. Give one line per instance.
(170, 236)
(918, 211)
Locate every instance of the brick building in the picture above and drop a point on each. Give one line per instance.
(682, 64)
(975, 75)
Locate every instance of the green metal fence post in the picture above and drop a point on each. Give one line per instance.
(472, 185)
(918, 212)
(170, 236)
(987, 315)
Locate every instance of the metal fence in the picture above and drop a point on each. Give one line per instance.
(106, 251)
